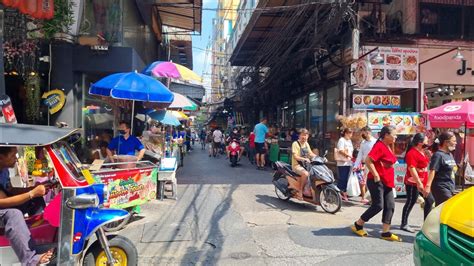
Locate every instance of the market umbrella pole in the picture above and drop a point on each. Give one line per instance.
(131, 120)
(464, 163)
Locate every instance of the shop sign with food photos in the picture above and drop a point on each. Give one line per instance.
(392, 67)
(375, 101)
(404, 123)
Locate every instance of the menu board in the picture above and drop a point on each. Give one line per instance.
(404, 123)
(393, 67)
(375, 101)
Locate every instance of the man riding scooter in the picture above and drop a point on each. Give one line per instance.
(301, 154)
(234, 135)
(11, 200)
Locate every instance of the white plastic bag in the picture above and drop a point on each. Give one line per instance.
(353, 188)
(469, 174)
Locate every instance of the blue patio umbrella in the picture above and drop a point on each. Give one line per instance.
(164, 117)
(132, 86)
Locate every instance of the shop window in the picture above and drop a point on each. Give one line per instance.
(315, 105)
(444, 20)
(332, 125)
(102, 18)
(300, 112)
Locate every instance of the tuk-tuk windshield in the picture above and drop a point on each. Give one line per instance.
(69, 158)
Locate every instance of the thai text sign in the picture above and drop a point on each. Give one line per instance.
(55, 100)
(393, 67)
(129, 188)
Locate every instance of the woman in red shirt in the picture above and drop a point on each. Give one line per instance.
(417, 160)
(380, 181)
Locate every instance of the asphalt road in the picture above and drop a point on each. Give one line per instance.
(231, 216)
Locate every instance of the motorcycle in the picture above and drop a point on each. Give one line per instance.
(75, 214)
(321, 181)
(234, 152)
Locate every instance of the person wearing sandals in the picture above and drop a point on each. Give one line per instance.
(416, 177)
(365, 147)
(380, 181)
(440, 178)
(344, 151)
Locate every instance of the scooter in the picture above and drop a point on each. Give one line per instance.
(321, 182)
(76, 214)
(234, 152)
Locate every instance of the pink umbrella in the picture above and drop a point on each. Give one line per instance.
(452, 115)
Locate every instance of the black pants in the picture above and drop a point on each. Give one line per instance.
(382, 199)
(442, 192)
(412, 196)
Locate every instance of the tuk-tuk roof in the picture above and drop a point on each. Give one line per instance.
(31, 135)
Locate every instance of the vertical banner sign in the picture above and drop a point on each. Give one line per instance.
(7, 115)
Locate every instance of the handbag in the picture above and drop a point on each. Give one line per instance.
(353, 187)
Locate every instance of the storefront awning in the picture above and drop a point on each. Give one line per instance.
(184, 14)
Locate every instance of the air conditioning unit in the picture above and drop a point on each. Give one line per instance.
(372, 21)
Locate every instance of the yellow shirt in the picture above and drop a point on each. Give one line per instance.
(295, 149)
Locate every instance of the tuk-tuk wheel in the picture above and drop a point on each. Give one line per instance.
(123, 250)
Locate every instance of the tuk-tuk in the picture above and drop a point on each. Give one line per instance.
(76, 213)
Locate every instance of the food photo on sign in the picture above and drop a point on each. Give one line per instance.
(360, 101)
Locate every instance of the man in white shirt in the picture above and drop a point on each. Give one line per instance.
(365, 147)
(217, 141)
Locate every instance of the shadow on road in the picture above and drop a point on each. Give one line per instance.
(279, 204)
(373, 230)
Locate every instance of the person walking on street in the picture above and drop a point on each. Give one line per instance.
(344, 161)
(442, 163)
(252, 151)
(359, 165)
(380, 181)
(217, 137)
(210, 142)
(202, 139)
(417, 159)
(260, 131)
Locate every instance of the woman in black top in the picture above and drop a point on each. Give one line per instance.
(440, 182)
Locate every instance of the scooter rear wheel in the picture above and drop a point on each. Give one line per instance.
(281, 195)
(330, 200)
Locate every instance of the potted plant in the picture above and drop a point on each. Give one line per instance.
(59, 26)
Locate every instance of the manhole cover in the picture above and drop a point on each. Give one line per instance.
(240, 255)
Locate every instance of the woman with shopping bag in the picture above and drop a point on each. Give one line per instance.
(343, 156)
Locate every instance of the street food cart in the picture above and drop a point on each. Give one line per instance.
(129, 184)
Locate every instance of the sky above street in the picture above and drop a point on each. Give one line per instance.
(201, 63)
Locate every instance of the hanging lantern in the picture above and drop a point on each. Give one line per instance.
(28, 7)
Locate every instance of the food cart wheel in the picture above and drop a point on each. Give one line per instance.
(122, 249)
(117, 225)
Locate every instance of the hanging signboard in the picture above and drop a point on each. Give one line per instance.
(404, 123)
(395, 67)
(360, 101)
(55, 100)
(7, 115)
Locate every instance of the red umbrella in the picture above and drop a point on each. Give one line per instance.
(452, 115)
